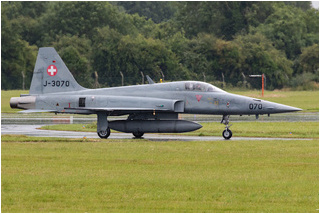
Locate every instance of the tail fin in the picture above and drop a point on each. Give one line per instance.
(51, 75)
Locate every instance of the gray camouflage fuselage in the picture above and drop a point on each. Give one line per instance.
(150, 108)
(171, 97)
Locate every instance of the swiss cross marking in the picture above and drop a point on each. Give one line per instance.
(52, 70)
(198, 97)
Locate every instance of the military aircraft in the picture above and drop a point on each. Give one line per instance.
(151, 108)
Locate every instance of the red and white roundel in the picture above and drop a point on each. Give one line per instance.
(52, 70)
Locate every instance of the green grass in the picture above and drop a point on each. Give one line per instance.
(239, 129)
(77, 175)
(72, 127)
(5, 100)
(307, 100)
(262, 129)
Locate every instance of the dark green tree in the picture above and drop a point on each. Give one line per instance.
(259, 56)
(222, 19)
(79, 18)
(308, 61)
(131, 55)
(181, 40)
(76, 53)
(158, 11)
(304, 5)
(17, 55)
(210, 57)
(290, 29)
(258, 12)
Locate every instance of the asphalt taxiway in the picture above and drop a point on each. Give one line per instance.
(33, 130)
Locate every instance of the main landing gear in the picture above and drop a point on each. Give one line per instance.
(227, 133)
(138, 134)
(104, 133)
(103, 129)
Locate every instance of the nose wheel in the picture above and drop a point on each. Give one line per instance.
(227, 133)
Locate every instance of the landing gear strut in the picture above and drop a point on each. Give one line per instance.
(227, 133)
(103, 129)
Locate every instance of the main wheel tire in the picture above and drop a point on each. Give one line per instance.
(138, 134)
(104, 134)
(227, 134)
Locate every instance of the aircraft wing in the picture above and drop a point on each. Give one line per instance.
(36, 111)
(119, 109)
(115, 110)
(126, 105)
(116, 105)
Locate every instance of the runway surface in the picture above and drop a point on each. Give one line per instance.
(33, 130)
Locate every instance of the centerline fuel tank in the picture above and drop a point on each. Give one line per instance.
(154, 126)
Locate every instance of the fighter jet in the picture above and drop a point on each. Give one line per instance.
(151, 108)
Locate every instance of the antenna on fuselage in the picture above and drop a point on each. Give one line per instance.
(150, 81)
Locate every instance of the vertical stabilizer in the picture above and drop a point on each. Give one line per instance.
(51, 75)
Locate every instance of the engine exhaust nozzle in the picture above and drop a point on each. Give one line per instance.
(28, 102)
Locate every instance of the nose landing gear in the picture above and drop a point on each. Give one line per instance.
(227, 133)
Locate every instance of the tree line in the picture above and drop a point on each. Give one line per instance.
(217, 42)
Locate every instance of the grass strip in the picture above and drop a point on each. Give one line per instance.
(94, 175)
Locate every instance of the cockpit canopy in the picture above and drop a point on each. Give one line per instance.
(201, 86)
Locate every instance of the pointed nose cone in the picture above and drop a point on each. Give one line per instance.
(279, 108)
